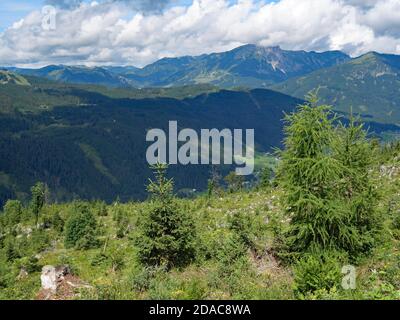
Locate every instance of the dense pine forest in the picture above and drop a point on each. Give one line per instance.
(89, 142)
(332, 201)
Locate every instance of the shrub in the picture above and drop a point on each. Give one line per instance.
(241, 224)
(11, 251)
(102, 209)
(88, 240)
(141, 279)
(39, 240)
(57, 222)
(13, 212)
(317, 271)
(265, 178)
(30, 264)
(80, 228)
(234, 182)
(231, 252)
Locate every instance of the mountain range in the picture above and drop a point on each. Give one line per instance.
(82, 130)
(368, 85)
(247, 66)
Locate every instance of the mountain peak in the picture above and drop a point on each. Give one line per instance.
(254, 47)
(375, 57)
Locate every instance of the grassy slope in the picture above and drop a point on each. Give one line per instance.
(258, 276)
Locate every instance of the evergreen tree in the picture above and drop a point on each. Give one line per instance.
(13, 212)
(11, 252)
(234, 182)
(166, 232)
(80, 228)
(38, 192)
(214, 183)
(57, 222)
(322, 172)
(265, 178)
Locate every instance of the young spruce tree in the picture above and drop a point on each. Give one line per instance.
(167, 232)
(324, 172)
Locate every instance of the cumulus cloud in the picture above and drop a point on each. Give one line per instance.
(108, 32)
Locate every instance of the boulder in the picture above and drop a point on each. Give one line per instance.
(59, 284)
(48, 278)
(52, 276)
(22, 274)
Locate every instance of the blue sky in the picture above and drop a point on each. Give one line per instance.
(11, 11)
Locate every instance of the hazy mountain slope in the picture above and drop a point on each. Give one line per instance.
(79, 74)
(370, 85)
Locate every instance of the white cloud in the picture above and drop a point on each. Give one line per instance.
(112, 33)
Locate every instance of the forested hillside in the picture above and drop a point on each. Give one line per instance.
(333, 202)
(90, 142)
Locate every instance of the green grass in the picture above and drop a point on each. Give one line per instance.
(260, 274)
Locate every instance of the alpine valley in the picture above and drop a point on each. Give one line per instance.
(81, 130)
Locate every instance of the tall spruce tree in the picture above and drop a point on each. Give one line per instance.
(166, 232)
(38, 200)
(324, 172)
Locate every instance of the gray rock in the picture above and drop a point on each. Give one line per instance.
(52, 276)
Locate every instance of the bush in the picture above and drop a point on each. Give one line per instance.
(241, 224)
(57, 222)
(265, 178)
(80, 228)
(234, 182)
(102, 209)
(141, 279)
(13, 212)
(39, 240)
(231, 252)
(30, 264)
(317, 271)
(88, 240)
(11, 251)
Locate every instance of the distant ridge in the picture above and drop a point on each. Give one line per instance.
(369, 85)
(248, 66)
